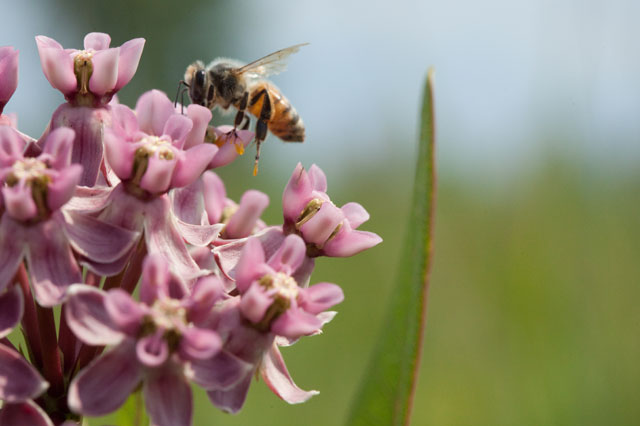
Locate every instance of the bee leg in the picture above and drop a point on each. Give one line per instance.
(247, 122)
(182, 87)
(261, 126)
(240, 116)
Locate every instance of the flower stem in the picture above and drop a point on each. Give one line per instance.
(68, 343)
(29, 319)
(51, 368)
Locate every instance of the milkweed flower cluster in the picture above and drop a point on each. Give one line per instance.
(113, 200)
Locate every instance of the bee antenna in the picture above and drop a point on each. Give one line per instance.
(182, 87)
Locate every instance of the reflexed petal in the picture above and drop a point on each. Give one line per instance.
(318, 178)
(177, 127)
(24, 413)
(89, 199)
(105, 384)
(320, 297)
(8, 73)
(88, 317)
(188, 203)
(200, 116)
(296, 194)
(290, 255)
(11, 308)
(199, 235)
(124, 120)
(220, 371)
(192, 164)
(303, 273)
(251, 265)
(18, 379)
(232, 399)
(168, 399)
(155, 279)
(355, 214)
(97, 41)
(243, 221)
(319, 228)
(214, 196)
(157, 176)
(199, 343)
(59, 144)
(254, 303)
(105, 71)
(12, 249)
(276, 376)
(97, 240)
(63, 186)
(19, 202)
(124, 312)
(294, 323)
(130, 53)
(347, 243)
(57, 65)
(153, 109)
(152, 350)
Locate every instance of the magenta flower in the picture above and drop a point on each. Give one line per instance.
(270, 304)
(8, 74)
(231, 144)
(89, 77)
(327, 229)
(156, 342)
(34, 227)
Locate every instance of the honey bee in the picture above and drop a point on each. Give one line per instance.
(226, 83)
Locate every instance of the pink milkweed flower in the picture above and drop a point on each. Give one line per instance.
(34, 227)
(327, 229)
(270, 304)
(155, 342)
(8, 74)
(231, 144)
(89, 77)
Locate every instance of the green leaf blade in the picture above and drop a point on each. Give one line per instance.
(386, 393)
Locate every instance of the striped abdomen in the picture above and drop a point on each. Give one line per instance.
(285, 122)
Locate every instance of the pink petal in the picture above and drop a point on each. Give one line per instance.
(153, 109)
(63, 186)
(294, 323)
(155, 279)
(199, 235)
(96, 240)
(124, 120)
(19, 202)
(24, 413)
(229, 151)
(57, 65)
(11, 309)
(290, 255)
(204, 294)
(105, 384)
(97, 41)
(319, 228)
(200, 116)
(12, 250)
(199, 343)
(276, 376)
(355, 214)
(296, 194)
(130, 53)
(119, 154)
(220, 371)
(251, 265)
(124, 313)
(157, 176)
(254, 303)
(89, 199)
(88, 317)
(152, 350)
(192, 164)
(214, 196)
(168, 399)
(242, 222)
(177, 127)
(8, 74)
(18, 379)
(232, 399)
(318, 178)
(105, 71)
(304, 271)
(58, 145)
(52, 265)
(320, 297)
(10, 146)
(347, 243)
(188, 203)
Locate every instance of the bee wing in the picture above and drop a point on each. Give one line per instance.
(271, 64)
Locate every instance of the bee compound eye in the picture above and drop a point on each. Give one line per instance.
(200, 77)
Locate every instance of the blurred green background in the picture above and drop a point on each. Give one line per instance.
(532, 315)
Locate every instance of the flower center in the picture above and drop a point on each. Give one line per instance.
(29, 169)
(284, 289)
(154, 145)
(168, 314)
(83, 68)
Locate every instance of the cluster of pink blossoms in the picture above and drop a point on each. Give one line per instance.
(112, 199)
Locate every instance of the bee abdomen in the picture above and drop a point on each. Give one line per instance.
(286, 123)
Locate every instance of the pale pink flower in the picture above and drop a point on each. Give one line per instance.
(8, 74)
